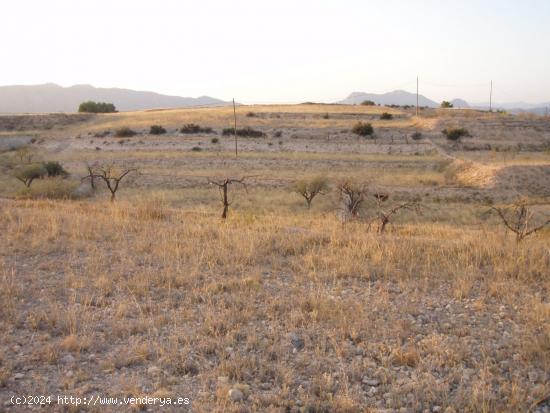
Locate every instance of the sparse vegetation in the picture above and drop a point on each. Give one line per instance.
(359, 303)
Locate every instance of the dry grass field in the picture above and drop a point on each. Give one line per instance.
(277, 308)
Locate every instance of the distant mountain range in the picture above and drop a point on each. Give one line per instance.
(401, 97)
(50, 98)
(54, 98)
(397, 97)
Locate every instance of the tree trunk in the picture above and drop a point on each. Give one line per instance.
(225, 202)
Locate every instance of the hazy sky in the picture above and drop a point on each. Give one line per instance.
(284, 50)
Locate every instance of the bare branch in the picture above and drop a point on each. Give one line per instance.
(518, 218)
(223, 186)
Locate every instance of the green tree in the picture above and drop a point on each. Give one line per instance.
(96, 107)
(29, 173)
(310, 189)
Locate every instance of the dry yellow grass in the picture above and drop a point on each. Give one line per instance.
(155, 295)
(142, 285)
(285, 116)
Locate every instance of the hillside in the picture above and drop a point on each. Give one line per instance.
(54, 98)
(397, 97)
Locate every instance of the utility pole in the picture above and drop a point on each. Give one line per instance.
(491, 98)
(416, 95)
(235, 127)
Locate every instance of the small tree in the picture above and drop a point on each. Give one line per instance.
(517, 218)
(446, 104)
(112, 176)
(363, 129)
(223, 186)
(27, 174)
(352, 196)
(368, 103)
(310, 189)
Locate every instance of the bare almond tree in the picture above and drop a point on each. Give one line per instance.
(112, 176)
(310, 189)
(384, 216)
(352, 196)
(90, 176)
(223, 185)
(517, 218)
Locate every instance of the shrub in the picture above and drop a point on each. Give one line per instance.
(96, 107)
(247, 132)
(278, 134)
(124, 132)
(454, 134)
(29, 173)
(368, 103)
(250, 114)
(416, 136)
(386, 116)
(157, 130)
(445, 104)
(196, 149)
(362, 129)
(54, 169)
(193, 128)
(214, 140)
(326, 116)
